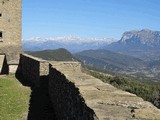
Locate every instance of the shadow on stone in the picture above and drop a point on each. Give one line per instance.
(53, 96)
(20, 75)
(5, 67)
(40, 107)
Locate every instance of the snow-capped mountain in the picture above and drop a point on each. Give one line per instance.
(72, 43)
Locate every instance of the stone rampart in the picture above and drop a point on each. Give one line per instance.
(77, 96)
(66, 98)
(30, 70)
(11, 31)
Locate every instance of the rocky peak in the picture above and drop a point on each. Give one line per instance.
(144, 36)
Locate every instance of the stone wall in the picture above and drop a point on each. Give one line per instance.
(10, 22)
(30, 70)
(40, 106)
(73, 95)
(66, 98)
(63, 94)
(10, 26)
(4, 68)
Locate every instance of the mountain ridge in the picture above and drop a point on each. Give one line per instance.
(71, 43)
(143, 44)
(144, 36)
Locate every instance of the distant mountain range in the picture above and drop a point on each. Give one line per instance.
(71, 43)
(136, 53)
(104, 60)
(144, 44)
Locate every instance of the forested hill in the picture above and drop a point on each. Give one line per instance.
(57, 55)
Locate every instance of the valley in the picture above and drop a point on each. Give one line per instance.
(120, 63)
(144, 87)
(136, 54)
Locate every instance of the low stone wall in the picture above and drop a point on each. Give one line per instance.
(30, 70)
(73, 95)
(68, 86)
(66, 98)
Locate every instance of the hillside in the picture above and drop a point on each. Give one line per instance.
(108, 60)
(144, 44)
(118, 63)
(57, 55)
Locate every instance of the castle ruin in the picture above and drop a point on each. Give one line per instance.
(10, 35)
(67, 92)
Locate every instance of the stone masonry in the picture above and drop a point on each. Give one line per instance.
(78, 96)
(10, 31)
(65, 92)
(30, 70)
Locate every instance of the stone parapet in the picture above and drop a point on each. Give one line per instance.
(66, 98)
(30, 70)
(77, 96)
(107, 102)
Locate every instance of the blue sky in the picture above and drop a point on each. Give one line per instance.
(88, 18)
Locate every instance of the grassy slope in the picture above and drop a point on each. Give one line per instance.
(14, 99)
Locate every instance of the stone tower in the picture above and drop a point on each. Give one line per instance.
(10, 34)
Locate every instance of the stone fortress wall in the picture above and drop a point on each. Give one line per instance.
(61, 86)
(10, 31)
(76, 95)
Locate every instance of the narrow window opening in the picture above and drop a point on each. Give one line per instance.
(0, 14)
(1, 35)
